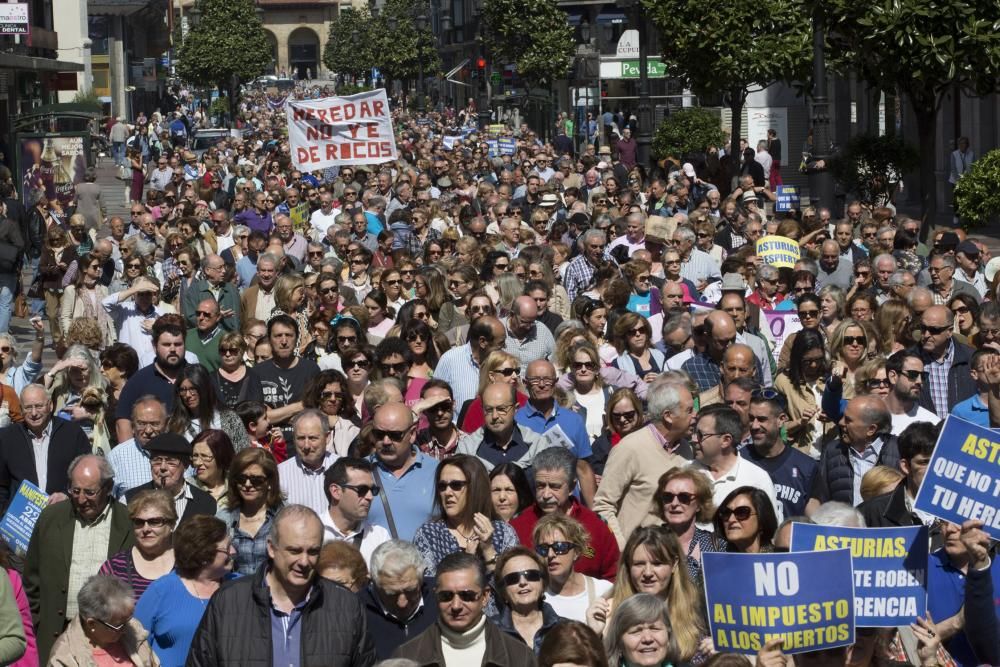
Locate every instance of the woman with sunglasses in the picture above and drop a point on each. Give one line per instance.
(589, 394)
(408, 274)
(328, 393)
(653, 563)
(561, 541)
(747, 521)
(420, 339)
(624, 415)
(203, 242)
(850, 346)
(197, 408)
(346, 332)
(684, 500)
(802, 384)
(870, 379)
(153, 517)
(84, 299)
(499, 366)
(392, 285)
(808, 307)
(966, 312)
(172, 607)
(636, 354)
(254, 494)
(464, 519)
(495, 264)
(522, 577)
(234, 381)
(331, 301)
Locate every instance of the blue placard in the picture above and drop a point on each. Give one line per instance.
(22, 515)
(963, 476)
(890, 569)
(494, 147)
(507, 145)
(804, 598)
(787, 198)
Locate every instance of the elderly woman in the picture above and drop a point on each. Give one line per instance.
(522, 577)
(747, 520)
(153, 518)
(329, 393)
(636, 355)
(104, 631)
(561, 540)
(684, 499)
(342, 562)
(640, 633)
(172, 606)
(290, 298)
(78, 394)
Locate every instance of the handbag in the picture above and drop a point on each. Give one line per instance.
(21, 306)
(36, 291)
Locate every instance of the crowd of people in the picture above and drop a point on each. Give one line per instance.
(464, 408)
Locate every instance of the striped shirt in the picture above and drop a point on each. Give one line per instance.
(122, 567)
(304, 486)
(458, 368)
(700, 267)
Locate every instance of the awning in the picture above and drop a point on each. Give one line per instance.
(12, 61)
(612, 17)
(116, 7)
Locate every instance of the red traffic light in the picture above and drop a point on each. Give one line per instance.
(481, 63)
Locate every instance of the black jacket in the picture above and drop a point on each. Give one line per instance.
(502, 650)
(17, 457)
(889, 511)
(35, 235)
(388, 632)
(960, 383)
(200, 502)
(981, 626)
(236, 628)
(835, 476)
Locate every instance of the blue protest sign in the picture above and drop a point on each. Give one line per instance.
(22, 514)
(804, 598)
(507, 145)
(963, 476)
(787, 198)
(890, 569)
(494, 147)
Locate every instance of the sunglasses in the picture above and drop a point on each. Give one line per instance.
(875, 383)
(395, 436)
(808, 314)
(394, 368)
(363, 489)
(327, 395)
(581, 365)
(914, 375)
(533, 576)
(363, 364)
(561, 548)
(683, 497)
(391, 282)
(328, 290)
(454, 485)
(226, 351)
(347, 339)
(256, 481)
(934, 331)
(855, 340)
(624, 416)
(446, 597)
(741, 513)
(507, 372)
(414, 336)
(152, 522)
(443, 406)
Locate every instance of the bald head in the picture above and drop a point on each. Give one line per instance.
(737, 362)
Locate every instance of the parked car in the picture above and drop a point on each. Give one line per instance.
(206, 138)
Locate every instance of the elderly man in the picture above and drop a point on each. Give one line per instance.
(399, 599)
(864, 443)
(526, 339)
(257, 217)
(580, 270)
(403, 473)
(459, 366)
(943, 284)
(696, 265)
(169, 459)
(302, 476)
(38, 449)
(286, 613)
(462, 596)
(501, 440)
(103, 250)
(510, 237)
(635, 464)
(134, 310)
(360, 233)
(257, 301)
(293, 242)
(843, 234)
(203, 340)
(970, 269)
(130, 459)
(213, 285)
(737, 362)
(350, 489)
(704, 367)
(833, 269)
(634, 237)
(555, 478)
(946, 362)
(884, 267)
(70, 542)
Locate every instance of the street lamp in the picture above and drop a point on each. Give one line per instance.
(820, 180)
(194, 15)
(644, 136)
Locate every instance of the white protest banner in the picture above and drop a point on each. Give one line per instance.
(780, 325)
(336, 131)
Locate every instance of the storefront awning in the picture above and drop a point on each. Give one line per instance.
(12, 61)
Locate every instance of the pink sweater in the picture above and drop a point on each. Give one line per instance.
(30, 657)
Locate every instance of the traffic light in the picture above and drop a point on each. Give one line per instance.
(481, 64)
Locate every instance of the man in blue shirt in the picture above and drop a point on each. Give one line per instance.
(403, 473)
(976, 408)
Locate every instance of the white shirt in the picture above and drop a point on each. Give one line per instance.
(914, 414)
(574, 607)
(743, 473)
(304, 486)
(265, 304)
(632, 247)
(321, 222)
(371, 535)
(128, 322)
(41, 450)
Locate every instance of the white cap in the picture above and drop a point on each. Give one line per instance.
(688, 169)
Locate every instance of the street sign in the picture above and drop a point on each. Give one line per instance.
(495, 77)
(614, 68)
(14, 18)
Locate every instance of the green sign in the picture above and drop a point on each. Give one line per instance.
(495, 77)
(654, 69)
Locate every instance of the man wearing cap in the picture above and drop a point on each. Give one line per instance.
(169, 459)
(134, 311)
(969, 269)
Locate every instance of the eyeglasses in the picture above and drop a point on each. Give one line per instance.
(152, 522)
(187, 390)
(207, 458)
(115, 628)
(540, 381)
(684, 498)
(395, 436)
(363, 364)
(256, 481)
(740, 513)
(454, 484)
(512, 578)
(507, 372)
(445, 597)
(561, 548)
(581, 365)
(855, 340)
(87, 493)
(168, 461)
(875, 383)
(808, 314)
(499, 410)
(698, 436)
(363, 489)
(624, 416)
(327, 395)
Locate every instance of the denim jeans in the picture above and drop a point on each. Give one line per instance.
(8, 285)
(118, 150)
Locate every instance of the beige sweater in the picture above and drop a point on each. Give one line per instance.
(625, 496)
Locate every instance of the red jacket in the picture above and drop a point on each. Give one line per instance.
(599, 559)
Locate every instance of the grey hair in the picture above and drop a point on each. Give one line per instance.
(240, 229)
(675, 322)
(590, 234)
(568, 324)
(104, 468)
(767, 272)
(144, 248)
(685, 233)
(896, 279)
(639, 608)
(662, 397)
(394, 558)
(556, 458)
(333, 263)
(885, 228)
(886, 258)
(793, 519)
(312, 413)
(834, 513)
(102, 597)
(269, 257)
(378, 201)
(397, 662)
(809, 264)
(919, 293)
(342, 219)
(948, 260)
(95, 379)
(12, 343)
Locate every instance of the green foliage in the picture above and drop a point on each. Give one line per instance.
(871, 166)
(229, 39)
(219, 107)
(685, 131)
(354, 43)
(535, 35)
(977, 197)
(87, 98)
(402, 47)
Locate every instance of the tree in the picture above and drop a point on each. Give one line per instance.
(732, 47)
(977, 198)
(355, 41)
(228, 42)
(871, 167)
(687, 131)
(924, 48)
(534, 35)
(401, 58)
